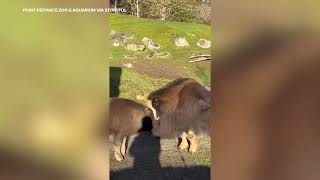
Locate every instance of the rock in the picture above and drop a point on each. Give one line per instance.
(116, 38)
(135, 47)
(120, 38)
(128, 65)
(127, 35)
(150, 44)
(181, 41)
(203, 43)
(118, 41)
(150, 54)
(112, 34)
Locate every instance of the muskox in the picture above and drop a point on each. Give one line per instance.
(182, 108)
(126, 118)
(267, 108)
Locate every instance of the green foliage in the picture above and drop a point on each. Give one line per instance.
(182, 12)
(174, 10)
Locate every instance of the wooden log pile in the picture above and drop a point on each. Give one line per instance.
(198, 58)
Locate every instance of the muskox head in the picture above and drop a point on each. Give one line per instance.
(180, 105)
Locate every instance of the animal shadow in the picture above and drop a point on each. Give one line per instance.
(146, 149)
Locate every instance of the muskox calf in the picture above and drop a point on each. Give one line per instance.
(183, 108)
(126, 118)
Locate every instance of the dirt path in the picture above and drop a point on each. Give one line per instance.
(153, 158)
(167, 70)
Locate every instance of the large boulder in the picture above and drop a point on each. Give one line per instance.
(135, 47)
(119, 38)
(128, 65)
(150, 44)
(203, 43)
(181, 41)
(127, 35)
(117, 41)
(112, 34)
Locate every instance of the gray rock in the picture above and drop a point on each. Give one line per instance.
(181, 41)
(116, 38)
(120, 38)
(118, 41)
(135, 47)
(127, 35)
(112, 34)
(128, 65)
(203, 43)
(150, 54)
(150, 44)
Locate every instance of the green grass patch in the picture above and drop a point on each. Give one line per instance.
(132, 83)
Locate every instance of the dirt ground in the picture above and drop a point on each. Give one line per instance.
(167, 70)
(153, 158)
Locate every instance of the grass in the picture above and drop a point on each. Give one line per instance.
(133, 83)
(164, 33)
(203, 155)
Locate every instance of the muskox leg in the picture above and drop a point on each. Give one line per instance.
(123, 147)
(193, 142)
(184, 143)
(117, 143)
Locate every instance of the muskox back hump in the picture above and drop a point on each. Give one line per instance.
(183, 104)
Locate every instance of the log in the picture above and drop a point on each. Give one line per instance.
(200, 59)
(196, 56)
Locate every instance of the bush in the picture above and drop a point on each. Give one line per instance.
(203, 14)
(174, 10)
(182, 12)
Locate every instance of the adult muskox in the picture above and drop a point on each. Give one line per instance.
(183, 108)
(267, 108)
(126, 118)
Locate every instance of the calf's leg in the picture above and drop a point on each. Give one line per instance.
(184, 143)
(123, 146)
(193, 142)
(117, 143)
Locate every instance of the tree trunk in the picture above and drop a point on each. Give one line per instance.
(137, 7)
(115, 5)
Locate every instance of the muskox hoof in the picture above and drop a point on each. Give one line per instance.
(193, 148)
(183, 145)
(118, 156)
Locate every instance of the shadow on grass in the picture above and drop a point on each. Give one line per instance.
(145, 150)
(115, 79)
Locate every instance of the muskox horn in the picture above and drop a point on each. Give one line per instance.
(149, 105)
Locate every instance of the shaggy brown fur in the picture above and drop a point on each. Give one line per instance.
(183, 107)
(127, 117)
(267, 109)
